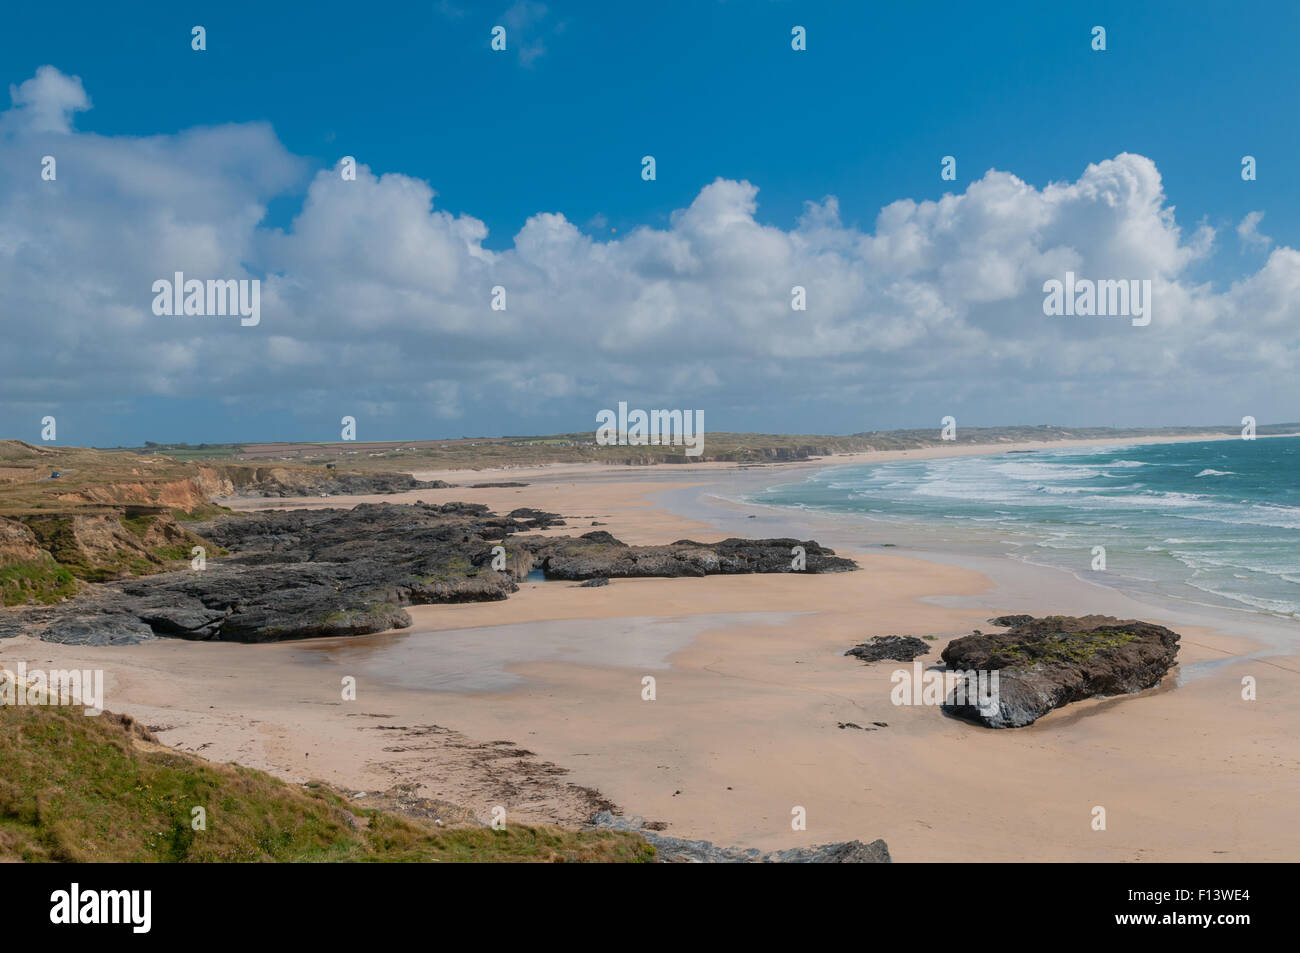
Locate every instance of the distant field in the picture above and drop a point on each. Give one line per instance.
(486, 452)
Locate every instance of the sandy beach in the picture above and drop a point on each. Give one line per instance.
(536, 703)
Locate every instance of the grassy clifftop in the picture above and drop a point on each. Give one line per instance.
(80, 789)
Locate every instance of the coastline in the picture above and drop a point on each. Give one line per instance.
(835, 460)
(751, 687)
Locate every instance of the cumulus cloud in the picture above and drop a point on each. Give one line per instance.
(377, 292)
(46, 102)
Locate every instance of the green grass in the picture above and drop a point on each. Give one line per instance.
(82, 789)
(57, 537)
(138, 525)
(176, 551)
(41, 582)
(1069, 648)
(53, 575)
(200, 513)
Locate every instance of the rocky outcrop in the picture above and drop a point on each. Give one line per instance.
(297, 575)
(1046, 663)
(272, 482)
(893, 648)
(599, 555)
(293, 574)
(539, 519)
(1011, 620)
(677, 850)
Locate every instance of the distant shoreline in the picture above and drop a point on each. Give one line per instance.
(719, 447)
(679, 471)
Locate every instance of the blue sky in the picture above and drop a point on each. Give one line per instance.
(711, 90)
(558, 124)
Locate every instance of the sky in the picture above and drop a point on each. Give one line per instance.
(522, 169)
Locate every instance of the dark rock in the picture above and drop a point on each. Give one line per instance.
(331, 572)
(98, 630)
(677, 850)
(592, 583)
(1049, 662)
(1011, 620)
(586, 559)
(330, 483)
(529, 518)
(191, 622)
(845, 852)
(894, 648)
(467, 509)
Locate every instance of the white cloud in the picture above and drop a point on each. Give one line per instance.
(376, 289)
(46, 102)
(1249, 233)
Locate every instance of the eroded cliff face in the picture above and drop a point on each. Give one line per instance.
(215, 481)
(42, 556)
(72, 515)
(18, 543)
(187, 495)
(196, 492)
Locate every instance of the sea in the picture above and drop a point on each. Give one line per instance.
(1211, 523)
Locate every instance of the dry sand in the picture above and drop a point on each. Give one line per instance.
(536, 703)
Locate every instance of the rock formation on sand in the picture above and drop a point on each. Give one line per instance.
(894, 648)
(1010, 621)
(1046, 663)
(676, 850)
(598, 554)
(328, 572)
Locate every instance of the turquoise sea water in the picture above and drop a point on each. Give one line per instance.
(1213, 522)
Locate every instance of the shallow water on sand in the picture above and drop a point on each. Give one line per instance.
(479, 659)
